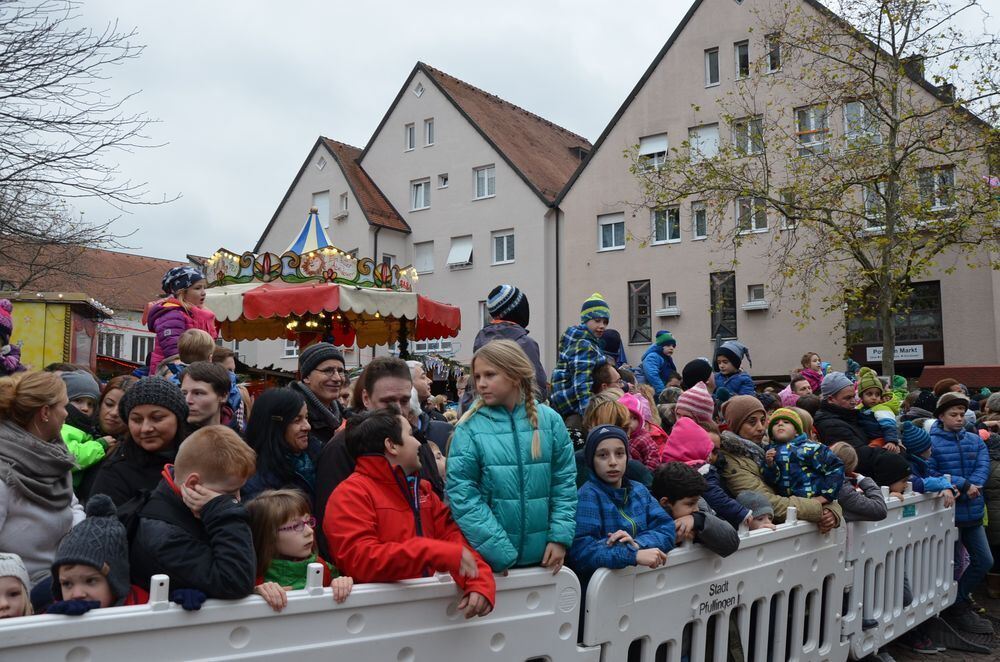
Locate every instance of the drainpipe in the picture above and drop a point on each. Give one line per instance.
(558, 277)
(378, 228)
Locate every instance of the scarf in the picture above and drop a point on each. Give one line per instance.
(736, 445)
(318, 412)
(293, 573)
(37, 470)
(303, 465)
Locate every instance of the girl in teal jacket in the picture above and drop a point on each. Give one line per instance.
(511, 481)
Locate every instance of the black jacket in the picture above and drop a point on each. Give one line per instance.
(129, 471)
(323, 422)
(835, 424)
(214, 554)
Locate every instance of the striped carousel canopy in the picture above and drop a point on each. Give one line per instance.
(312, 237)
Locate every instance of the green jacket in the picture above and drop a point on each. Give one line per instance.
(85, 449)
(509, 505)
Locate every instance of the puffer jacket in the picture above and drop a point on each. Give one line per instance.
(963, 456)
(992, 492)
(738, 383)
(168, 319)
(508, 504)
(657, 368)
(833, 424)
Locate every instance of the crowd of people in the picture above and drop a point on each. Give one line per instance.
(181, 473)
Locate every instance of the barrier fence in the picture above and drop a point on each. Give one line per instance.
(789, 594)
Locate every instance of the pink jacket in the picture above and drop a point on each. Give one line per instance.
(688, 443)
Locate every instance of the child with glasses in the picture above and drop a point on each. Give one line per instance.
(285, 542)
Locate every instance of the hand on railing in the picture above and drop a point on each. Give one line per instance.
(273, 594)
(622, 537)
(73, 607)
(651, 558)
(191, 599)
(474, 604)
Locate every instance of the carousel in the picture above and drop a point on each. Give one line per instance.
(314, 292)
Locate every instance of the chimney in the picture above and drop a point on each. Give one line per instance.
(914, 66)
(947, 92)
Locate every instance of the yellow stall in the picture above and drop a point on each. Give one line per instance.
(56, 327)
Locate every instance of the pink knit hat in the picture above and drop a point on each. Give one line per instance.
(688, 443)
(697, 402)
(637, 405)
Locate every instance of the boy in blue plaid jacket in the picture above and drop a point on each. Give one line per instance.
(579, 353)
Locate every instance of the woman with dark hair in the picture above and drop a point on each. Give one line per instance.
(155, 414)
(286, 455)
(107, 417)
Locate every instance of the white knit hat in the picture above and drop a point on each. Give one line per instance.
(11, 565)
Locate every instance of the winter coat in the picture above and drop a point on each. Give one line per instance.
(579, 354)
(323, 421)
(861, 499)
(725, 506)
(85, 449)
(168, 319)
(713, 532)
(833, 424)
(925, 479)
(212, 553)
(804, 468)
(657, 368)
(266, 480)
(602, 510)
(738, 383)
(879, 423)
(383, 527)
(10, 360)
(634, 470)
(964, 457)
(502, 330)
(129, 471)
(740, 472)
(509, 504)
(992, 492)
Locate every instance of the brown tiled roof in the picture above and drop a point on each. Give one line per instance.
(545, 154)
(973, 376)
(376, 207)
(118, 280)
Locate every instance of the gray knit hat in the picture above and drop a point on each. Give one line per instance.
(313, 355)
(154, 391)
(100, 542)
(756, 503)
(11, 565)
(993, 403)
(950, 399)
(833, 383)
(80, 384)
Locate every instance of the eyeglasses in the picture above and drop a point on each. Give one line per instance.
(330, 372)
(298, 526)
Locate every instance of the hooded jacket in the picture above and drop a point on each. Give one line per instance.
(861, 499)
(657, 367)
(384, 527)
(738, 383)
(579, 354)
(168, 319)
(503, 330)
(964, 457)
(508, 504)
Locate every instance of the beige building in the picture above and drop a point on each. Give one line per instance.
(456, 182)
(682, 280)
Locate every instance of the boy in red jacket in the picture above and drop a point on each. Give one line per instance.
(383, 524)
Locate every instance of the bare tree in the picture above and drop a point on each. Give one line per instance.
(867, 206)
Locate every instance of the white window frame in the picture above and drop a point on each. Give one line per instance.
(506, 237)
(757, 209)
(423, 257)
(416, 187)
(752, 290)
(428, 132)
(813, 139)
(671, 223)
(788, 198)
(696, 208)
(709, 52)
(443, 180)
(343, 202)
(736, 56)
(142, 345)
(698, 140)
(653, 151)
(484, 315)
(666, 297)
(389, 259)
(748, 136)
(115, 340)
(460, 255)
(865, 128)
(432, 347)
(291, 349)
(773, 43)
(938, 202)
(409, 137)
(489, 180)
(612, 220)
(874, 204)
(321, 201)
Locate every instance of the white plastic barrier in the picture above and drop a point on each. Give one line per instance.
(535, 617)
(783, 590)
(915, 541)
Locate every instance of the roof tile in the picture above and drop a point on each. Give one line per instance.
(376, 207)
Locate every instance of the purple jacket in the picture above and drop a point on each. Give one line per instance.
(168, 319)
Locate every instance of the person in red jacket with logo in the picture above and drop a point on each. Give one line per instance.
(383, 524)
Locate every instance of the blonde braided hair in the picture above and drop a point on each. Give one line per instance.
(510, 360)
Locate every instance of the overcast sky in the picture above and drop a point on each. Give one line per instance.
(242, 89)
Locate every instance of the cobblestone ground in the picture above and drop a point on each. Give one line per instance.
(902, 654)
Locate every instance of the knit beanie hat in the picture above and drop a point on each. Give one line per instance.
(180, 278)
(669, 395)
(154, 391)
(916, 440)
(611, 343)
(100, 542)
(6, 321)
(887, 468)
(506, 302)
(735, 351)
(695, 371)
(665, 338)
(898, 383)
(313, 355)
(833, 383)
(942, 386)
(768, 400)
(599, 434)
(595, 308)
(11, 565)
(950, 399)
(80, 384)
(637, 405)
(688, 443)
(807, 420)
(868, 378)
(738, 409)
(756, 502)
(925, 401)
(788, 397)
(697, 401)
(785, 414)
(993, 403)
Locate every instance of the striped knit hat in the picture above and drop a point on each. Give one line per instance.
(507, 302)
(868, 378)
(697, 402)
(785, 414)
(594, 308)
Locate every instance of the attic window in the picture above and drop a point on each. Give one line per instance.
(321, 163)
(579, 152)
(419, 89)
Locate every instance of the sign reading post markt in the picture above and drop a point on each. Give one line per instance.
(900, 353)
